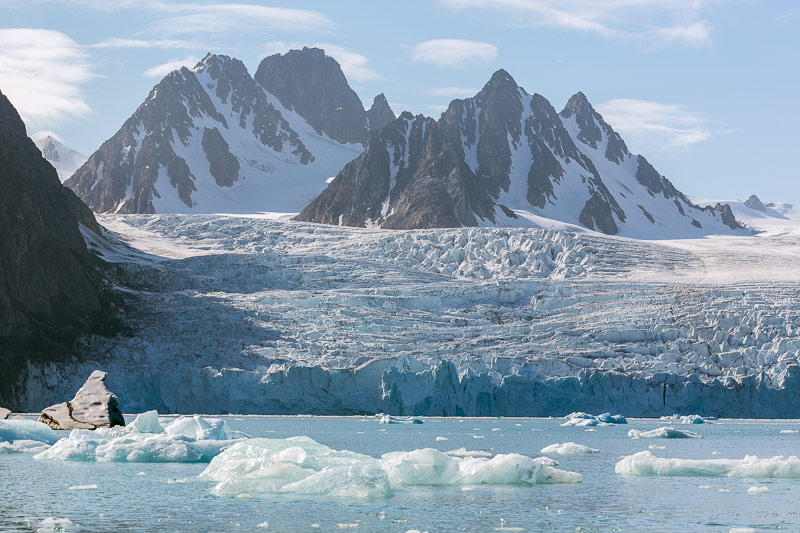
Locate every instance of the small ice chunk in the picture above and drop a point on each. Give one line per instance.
(646, 464)
(389, 419)
(177, 481)
(741, 530)
(83, 487)
(657, 447)
(266, 525)
(201, 428)
(663, 433)
(55, 524)
(758, 489)
(705, 487)
(568, 448)
(685, 419)
(495, 429)
(23, 446)
(789, 431)
(439, 439)
(724, 490)
(716, 453)
(581, 419)
(147, 423)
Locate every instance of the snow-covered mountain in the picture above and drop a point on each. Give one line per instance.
(212, 139)
(65, 160)
(508, 158)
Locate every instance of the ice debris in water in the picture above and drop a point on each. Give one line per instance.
(686, 419)
(585, 419)
(185, 440)
(789, 431)
(55, 524)
(438, 439)
(389, 419)
(568, 448)
(26, 436)
(646, 464)
(299, 465)
(756, 489)
(663, 433)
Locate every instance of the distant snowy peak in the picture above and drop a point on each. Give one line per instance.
(65, 160)
(210, 139)
(507, 157)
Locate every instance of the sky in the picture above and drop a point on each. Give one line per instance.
(707, 90)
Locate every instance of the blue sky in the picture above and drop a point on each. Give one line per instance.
(707, 90)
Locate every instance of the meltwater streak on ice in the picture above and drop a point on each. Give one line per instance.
(300, 465)
(646, 464)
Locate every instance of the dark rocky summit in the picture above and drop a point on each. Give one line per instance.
(505, 150)
(754, 203)
(313, 85)
(50, 284)
(380, 114)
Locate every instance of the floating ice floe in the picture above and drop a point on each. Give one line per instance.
(663, 433)
(585, 419)
(55, 524)
(568, 448)
(789, 431)
(646, 464)
(299, 465)
(685, 419)
(763, 489)
(389, 419)
(185, 440)
(26, 436)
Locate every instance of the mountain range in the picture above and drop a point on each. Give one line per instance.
(215, 139)
(507, 157)
(65, 160)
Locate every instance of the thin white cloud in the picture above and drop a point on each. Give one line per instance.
(453, 52)
(41, 72)
(654, 21)
(354, 65)
(655, 124)
(117, 42)
(159, 71)
(190, 18)
(454, 92)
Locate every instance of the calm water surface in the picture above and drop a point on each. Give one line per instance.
(124, 500)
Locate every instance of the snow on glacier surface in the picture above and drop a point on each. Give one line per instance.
(646, 464)
(300, 465)
(266, 315)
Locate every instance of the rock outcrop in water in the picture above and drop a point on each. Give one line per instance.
(4, 413)
(93, 406)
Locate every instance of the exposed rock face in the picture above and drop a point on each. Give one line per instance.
(313, 85)
(210, 139)
(380, 114)
(4, 413)
(65, 160)
(50, 284)
(755, 204)
(505, 153)
(93, 406)
(726, 215)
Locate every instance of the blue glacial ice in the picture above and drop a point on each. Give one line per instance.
(646, 464)
(665, 432)
(584, 419)
(185, 440)
(389, 419)
(685, 419)
(299, 465)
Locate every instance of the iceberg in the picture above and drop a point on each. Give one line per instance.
(685, 419)
(663, 433)
(568, 448)
(26, 436)
(646, 464)
(389, 419)
(581, 419)
(185, 440)
(299, 465)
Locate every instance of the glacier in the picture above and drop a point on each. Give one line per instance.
(256, 314)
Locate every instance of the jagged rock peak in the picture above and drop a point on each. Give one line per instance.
(500, 85)
(313, 85)
(754, 203)
(93, 406)
(577, 104)
(380, 114)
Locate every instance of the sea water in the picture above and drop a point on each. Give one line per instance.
(109, 496)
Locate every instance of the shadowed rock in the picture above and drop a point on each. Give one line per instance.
(93, 406)
(755, 204)
(380, 114)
